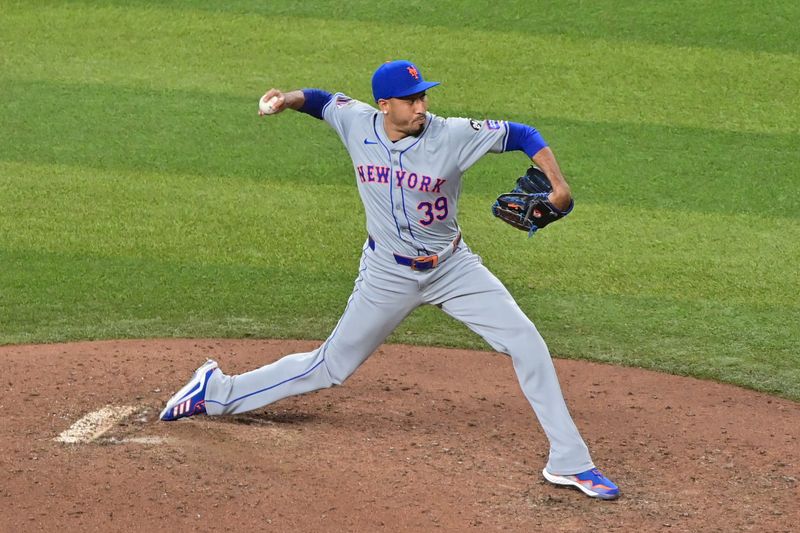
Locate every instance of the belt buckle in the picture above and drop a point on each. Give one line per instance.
(425, 263)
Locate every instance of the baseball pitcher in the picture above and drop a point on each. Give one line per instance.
(408, 165)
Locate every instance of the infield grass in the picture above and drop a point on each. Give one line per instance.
(141, 196)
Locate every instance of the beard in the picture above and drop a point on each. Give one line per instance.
(417, 126)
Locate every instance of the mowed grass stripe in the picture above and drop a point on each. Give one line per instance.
(707, 339)
(241, 222)
(57, 297)
(564, 77)
(635, 251)
(127, 129)
(174, 217)
(60, 297)
(713, 23)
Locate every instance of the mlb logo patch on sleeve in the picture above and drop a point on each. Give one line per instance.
(342, 100)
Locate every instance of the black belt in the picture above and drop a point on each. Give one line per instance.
(424, 262)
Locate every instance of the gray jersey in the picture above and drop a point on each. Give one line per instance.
(410, 188)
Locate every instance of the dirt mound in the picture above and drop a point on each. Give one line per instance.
(419, 439)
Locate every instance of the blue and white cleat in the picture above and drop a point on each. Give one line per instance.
(191, 399)
(592, 482)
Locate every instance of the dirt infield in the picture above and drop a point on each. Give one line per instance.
(419, 439)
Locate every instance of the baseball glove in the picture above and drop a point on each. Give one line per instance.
(527, 207)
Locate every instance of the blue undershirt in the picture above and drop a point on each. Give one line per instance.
(315, 100)
(520, 136)
(524, 138)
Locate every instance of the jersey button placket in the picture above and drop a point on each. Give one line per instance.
(398, 205)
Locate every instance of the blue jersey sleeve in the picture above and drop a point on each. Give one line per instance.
(525, 138)
(315, 100)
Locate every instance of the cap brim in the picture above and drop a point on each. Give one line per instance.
(414, 89)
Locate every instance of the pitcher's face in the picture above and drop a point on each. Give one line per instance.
(406, 115)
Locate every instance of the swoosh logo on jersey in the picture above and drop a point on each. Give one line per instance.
(367, 141)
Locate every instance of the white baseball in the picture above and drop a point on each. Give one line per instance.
(266, 107)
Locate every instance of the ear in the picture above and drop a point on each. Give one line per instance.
(383, 105)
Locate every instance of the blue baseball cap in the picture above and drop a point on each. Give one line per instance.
(396, 79)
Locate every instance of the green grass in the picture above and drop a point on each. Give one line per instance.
(141, 196)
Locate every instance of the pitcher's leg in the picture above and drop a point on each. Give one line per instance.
(292, 374)
(481, 301)
(374, 310)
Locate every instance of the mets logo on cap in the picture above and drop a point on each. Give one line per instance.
(398, 79)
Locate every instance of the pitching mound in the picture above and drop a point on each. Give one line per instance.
(419, 439)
